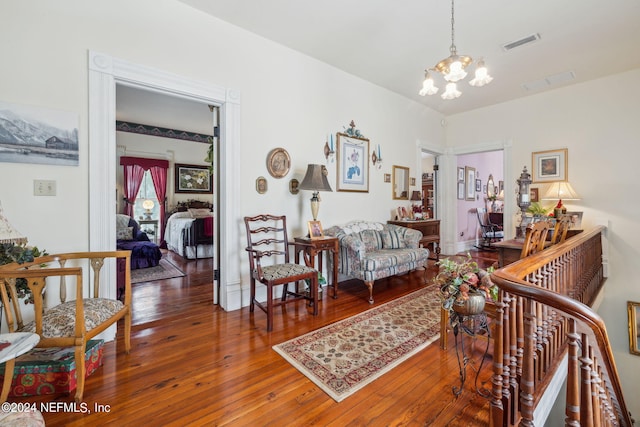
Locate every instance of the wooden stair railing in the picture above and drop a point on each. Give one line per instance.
(543, 316)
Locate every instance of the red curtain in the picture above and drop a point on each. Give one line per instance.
(134, 168)
(159, 177)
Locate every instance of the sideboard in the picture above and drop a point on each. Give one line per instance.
(430, 229)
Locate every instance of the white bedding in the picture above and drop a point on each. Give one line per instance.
(173, 236)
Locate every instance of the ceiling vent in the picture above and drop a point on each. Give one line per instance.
(548, 81)
(526, 40)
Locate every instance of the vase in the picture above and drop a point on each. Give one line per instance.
(473, 305)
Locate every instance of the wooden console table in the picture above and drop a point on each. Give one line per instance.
(509, 250)
(430, 229)
(315, 247)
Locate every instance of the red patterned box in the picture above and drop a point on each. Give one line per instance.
(51, 370)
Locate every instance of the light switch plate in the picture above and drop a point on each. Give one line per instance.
(44, 188)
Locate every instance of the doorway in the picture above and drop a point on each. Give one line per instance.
(104, 73)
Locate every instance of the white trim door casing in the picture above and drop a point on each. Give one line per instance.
(104, 73)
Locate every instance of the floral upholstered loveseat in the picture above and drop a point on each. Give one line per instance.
(373, 250)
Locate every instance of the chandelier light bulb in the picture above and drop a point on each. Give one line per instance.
(451, 92)
(456, 71)
(482, 77)
(428, 87)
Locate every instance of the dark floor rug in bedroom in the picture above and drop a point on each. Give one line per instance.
(165, 270)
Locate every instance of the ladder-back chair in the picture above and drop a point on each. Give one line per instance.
(268, 248)
(560, 230)
(535, 238)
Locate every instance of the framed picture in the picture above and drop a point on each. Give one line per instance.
(315, 230)
(633, 312)
(461, 190)
(353, 164)
(460, 174)
(387, 177)
(293, 186)
(500, 186)
(193, 179)
(278, 162)
(576, 219)
(533, 195)
(479, 185)
(261, 185)
(549, 165)
(470, 177)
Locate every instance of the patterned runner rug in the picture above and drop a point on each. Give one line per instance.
(164, 270)
(343, 357)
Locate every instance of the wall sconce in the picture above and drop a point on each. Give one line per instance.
(376, 158)
(329, 153)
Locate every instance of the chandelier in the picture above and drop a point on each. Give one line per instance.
(453, 70)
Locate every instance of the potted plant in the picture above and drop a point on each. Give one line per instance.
(20, 253)
(464, 287)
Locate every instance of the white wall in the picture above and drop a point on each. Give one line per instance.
(598, 123)
(288, 100)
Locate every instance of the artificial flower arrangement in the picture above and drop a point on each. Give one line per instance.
(459, 281)
(20, 253)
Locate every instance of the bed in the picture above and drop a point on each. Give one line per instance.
(189, 230)
(129, 237)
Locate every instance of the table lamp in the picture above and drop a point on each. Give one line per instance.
(148, 205)
(315, 180)
(8, 234)
(560, 190)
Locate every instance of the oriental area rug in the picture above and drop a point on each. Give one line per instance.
(343, 357)
(164, 270)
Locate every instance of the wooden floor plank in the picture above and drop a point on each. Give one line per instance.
(192, 363)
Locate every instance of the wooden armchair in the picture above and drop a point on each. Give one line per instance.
(66, 323)
(535, 239)
(560, 230)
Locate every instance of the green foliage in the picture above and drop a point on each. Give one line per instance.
(536, 208)
(9, 253)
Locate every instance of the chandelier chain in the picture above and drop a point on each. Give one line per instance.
(453, 44)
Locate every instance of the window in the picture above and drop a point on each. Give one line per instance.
(146, 192)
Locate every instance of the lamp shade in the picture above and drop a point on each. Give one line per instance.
(561, 190)
(315, 179)
(8, 234)
(415, 195)
(147, 204)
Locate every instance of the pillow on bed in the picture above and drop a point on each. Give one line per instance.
(125, 233)
(200, 213)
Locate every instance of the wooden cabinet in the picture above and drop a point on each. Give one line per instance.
(430, 229)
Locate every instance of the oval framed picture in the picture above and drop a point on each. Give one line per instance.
(278, 163)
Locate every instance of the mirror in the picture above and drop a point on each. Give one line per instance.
(633, 310)
(400, 183)
(491, 187)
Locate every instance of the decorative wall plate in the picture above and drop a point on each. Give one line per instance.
(278, 162)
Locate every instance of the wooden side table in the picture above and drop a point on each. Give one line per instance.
(430, 229)
(19, 343)
(313, 248)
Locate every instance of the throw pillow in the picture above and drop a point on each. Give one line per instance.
(392, 240)
(125, 233)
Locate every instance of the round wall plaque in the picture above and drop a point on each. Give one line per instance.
(278, 162)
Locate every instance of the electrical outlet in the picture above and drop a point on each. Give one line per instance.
(44, 188)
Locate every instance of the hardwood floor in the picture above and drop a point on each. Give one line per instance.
(192, 363)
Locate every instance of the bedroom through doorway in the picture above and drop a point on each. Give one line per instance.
(177, 132)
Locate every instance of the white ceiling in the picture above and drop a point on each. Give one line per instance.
(390, 43)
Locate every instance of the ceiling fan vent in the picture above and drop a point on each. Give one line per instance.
(526, 40)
